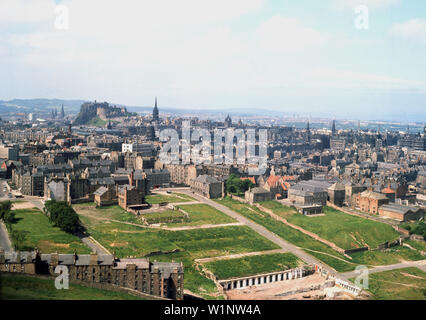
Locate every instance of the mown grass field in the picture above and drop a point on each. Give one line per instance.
(401, 284)
(170, 198)
(317, 249)
(127, 240)
(113, 212)
(44, 236)
(20, 287)
(200, 214)
(164, 217)
(279, 209)
(252, 265)
(346, 231)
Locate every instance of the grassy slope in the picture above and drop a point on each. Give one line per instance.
(44, 236)
(19, 287)
(113, 212)
(370, 258)
(172, 198)
(252, 265)
(402, 284)
(346, 231)
(200, 214)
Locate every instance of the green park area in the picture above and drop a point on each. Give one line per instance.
(40, 233)
(113, 212)
(320, 250)
(401, 284)
(174, 197)
(200, 214)
(185, 246)
(252, 265)
(344, 230)
(169, 217)
(20, 287)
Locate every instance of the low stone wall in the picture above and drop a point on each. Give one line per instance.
(388, 244)
(348, 287)
(350, 251)
(417, 237)
(81, 200)
(244, 282)
(158, 253)
(234, 197)
(97, 242)
(319, 287)
(403, 231)
(209, 275)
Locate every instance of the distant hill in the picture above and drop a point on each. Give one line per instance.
(94, 112)
(39, 105)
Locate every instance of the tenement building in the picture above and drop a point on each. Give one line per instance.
(163, 279)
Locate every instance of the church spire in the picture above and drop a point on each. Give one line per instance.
(62, 112)
(155, 112)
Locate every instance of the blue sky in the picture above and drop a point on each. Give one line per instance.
(302, 56)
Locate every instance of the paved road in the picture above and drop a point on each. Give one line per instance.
(419, 264)
(261, 230)
(4, 239)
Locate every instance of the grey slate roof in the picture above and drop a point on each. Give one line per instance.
(206, 179)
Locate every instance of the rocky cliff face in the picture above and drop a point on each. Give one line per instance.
(104, 111)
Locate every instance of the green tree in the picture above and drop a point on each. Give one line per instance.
(18, 238)
(235, 185)
(5, 207)
(62, 215)
(9, 217)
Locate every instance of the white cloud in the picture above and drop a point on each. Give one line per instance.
(414, 29)
(282, 34)
(371, 4)
(26, 10)
(345, 79)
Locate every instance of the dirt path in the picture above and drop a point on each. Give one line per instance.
(240, 255)
(418, 264)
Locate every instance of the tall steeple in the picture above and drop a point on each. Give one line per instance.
(62, 112)
(155, 112)
(308, 133)
(333, 128)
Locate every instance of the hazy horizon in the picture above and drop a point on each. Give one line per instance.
(305, 57)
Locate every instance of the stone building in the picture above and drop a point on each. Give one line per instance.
(257, 194)
(105, 196)
(129, 196)
(350, 190)
(163, 279)
(29, 184)
(157, 178)
(278, 185)
(309, 192)
(207, 186)
(401, 213)
(336, 194)
(56, 188)
(369, 201)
